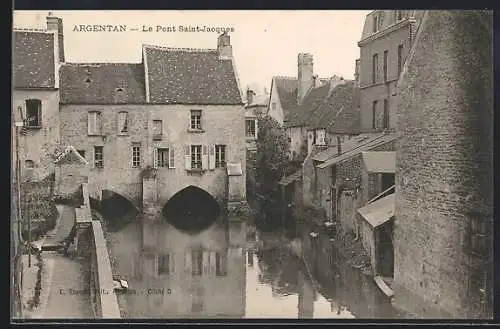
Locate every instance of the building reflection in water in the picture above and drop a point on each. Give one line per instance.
(230, 270)
(173, 274)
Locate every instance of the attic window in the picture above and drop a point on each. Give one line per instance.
(119, 89)
(88, 80)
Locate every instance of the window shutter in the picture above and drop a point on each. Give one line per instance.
(188, 263)
(155, 157)
(188, 157)
(211, 162)
(204, 157)
(93, 159)
(256, 128)
(171, 157)
(90, 123)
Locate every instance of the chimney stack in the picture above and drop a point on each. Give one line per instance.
(305, 75)
(224, 47)
(56, 24)
(339, 146)
(250, 94)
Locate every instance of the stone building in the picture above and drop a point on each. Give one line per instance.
(444, 172)
(255, 108)
(333, 178)
(290, 96)
(151, 129)
(385, 41)
(36, 58)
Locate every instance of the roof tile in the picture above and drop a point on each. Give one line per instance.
(187, 76)
(104, 83)
(33, 59)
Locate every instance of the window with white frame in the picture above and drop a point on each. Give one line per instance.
(136, 155)
(33, 113)
(123, 122)
(98, 157)
(196, 157)
(165, 158)
(250, 128)
(220, 156)
(94, 123)
(196, 119)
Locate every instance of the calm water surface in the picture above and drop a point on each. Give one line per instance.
(231, 270)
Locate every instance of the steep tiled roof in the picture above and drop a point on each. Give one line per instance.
(33, 58)
(190, 76)
(302, 113)
(287, 92)
(340, 112)
(70, 156)
(104, 83)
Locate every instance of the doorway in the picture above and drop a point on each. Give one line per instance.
(385, 250)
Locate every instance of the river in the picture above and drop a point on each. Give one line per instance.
(233, 270)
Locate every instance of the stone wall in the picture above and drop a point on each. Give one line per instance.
(222, 125)
(444, 160)
(38, 142)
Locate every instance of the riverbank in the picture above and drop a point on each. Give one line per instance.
(348, 246)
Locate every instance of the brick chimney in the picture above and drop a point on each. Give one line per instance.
(305, 75)
(224, 47)
(339, 146)
(56, 24)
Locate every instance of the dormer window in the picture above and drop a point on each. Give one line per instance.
(399, 15)
(375, 23)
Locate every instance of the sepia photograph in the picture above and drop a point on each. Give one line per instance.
(244, 164)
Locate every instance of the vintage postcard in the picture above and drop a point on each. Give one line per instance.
(175, 164)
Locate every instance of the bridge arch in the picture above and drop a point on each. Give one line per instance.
(191, 208)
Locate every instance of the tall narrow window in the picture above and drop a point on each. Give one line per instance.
(33, 113)
(98, 157)
(220, 156)
(196, 119)
(196, 157)
(374, 115)
(399, 15)
(136, 155)
(221, 264)
(250, 128)
(386, 113)
(400, 59)
(157, 129)
(197, 262)
(165, 158)
(122, 122)
(375, 68)
(163, 264)
(386, 55)
(375, 23)
(94, 123)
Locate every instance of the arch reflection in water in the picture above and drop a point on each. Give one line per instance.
(191, 209)
(175, 274)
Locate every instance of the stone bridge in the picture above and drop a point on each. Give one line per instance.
(149, 193)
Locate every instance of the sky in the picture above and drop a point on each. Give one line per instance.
(265, 43)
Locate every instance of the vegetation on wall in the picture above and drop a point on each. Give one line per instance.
(38, 206)
(272, 160)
